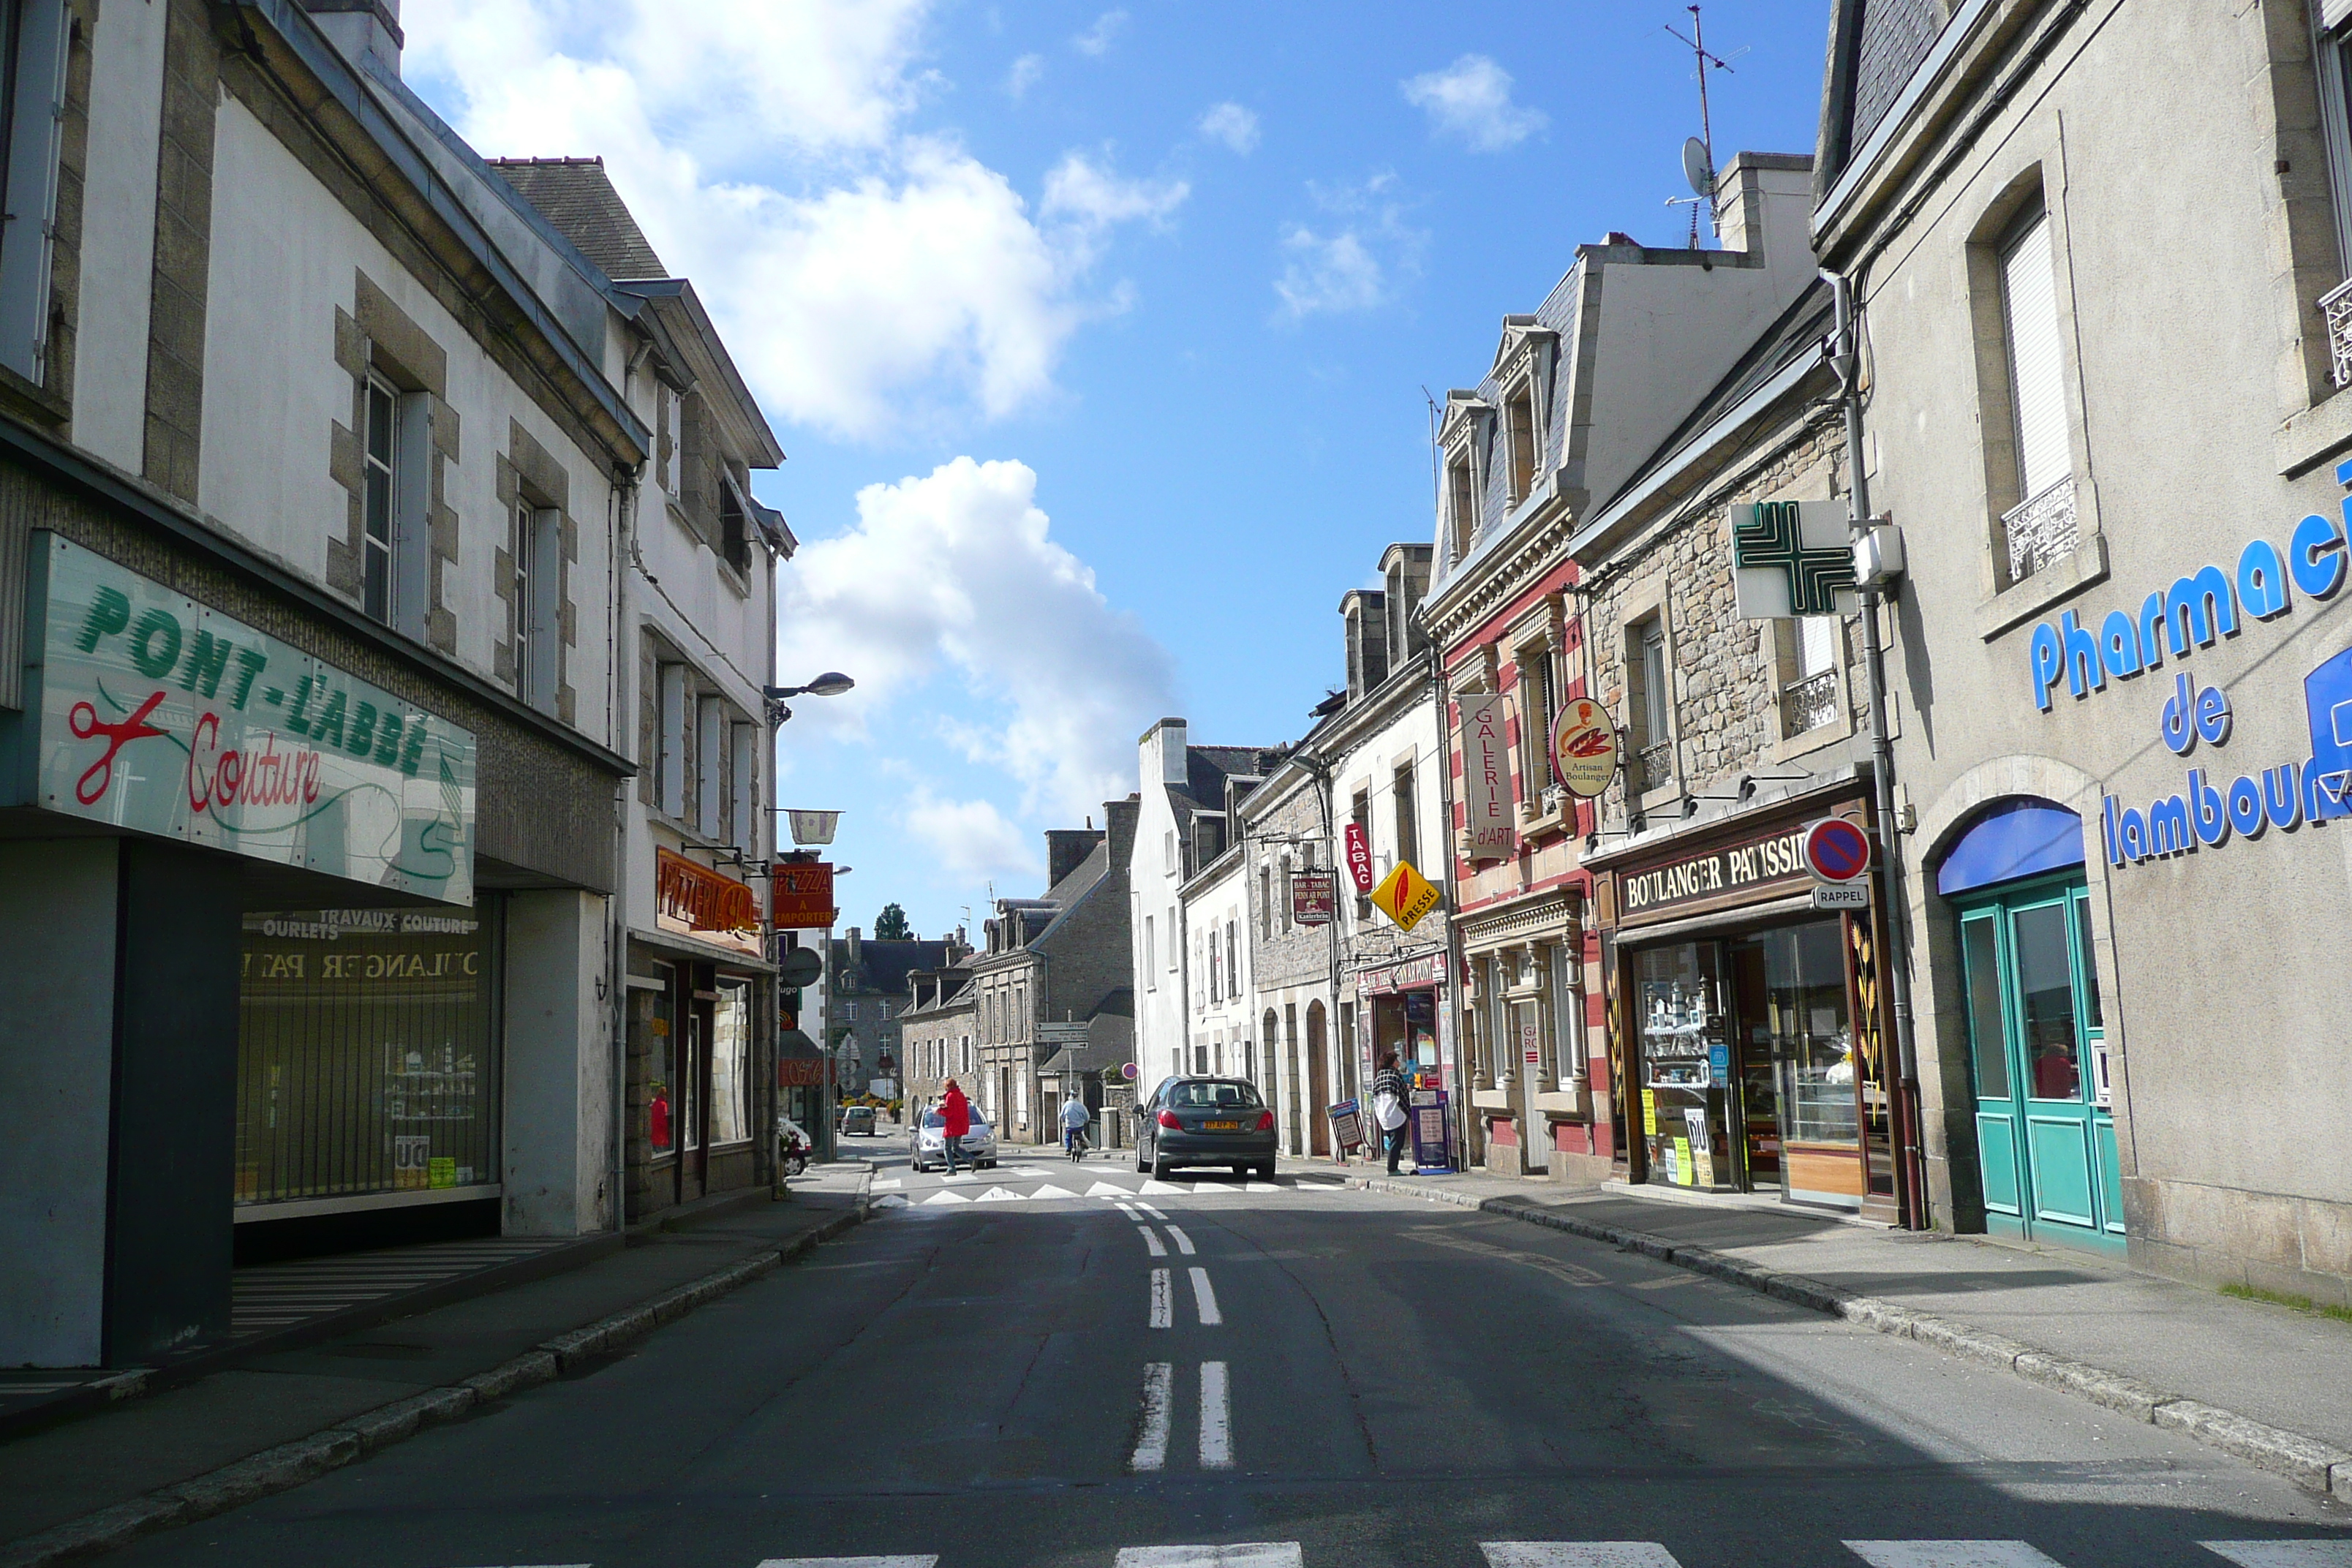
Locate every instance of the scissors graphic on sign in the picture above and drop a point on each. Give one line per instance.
(85, 723)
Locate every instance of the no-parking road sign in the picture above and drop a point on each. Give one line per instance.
(1837, 852)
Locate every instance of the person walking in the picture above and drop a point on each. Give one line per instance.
(1076, 1117)
(955, 1120)
(1387, 1107)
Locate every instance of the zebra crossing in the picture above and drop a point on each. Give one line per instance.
(2333, 1551)
(1027, 1183)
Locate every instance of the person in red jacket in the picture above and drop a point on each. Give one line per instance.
(955, 1120)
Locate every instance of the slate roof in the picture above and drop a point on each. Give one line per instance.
(882, 966)
(575, 194)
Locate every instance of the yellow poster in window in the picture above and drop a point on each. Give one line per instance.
(1686, 1168)
(1649, 1113)
(1406, 896)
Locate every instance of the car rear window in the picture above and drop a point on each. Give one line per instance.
(1211, 1096)
(933, 1119)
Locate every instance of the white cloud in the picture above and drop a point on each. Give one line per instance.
(1094, 195)
(1025, 74)
(954, 573)
(1096, 40)
(1354, 261)
(1328, 273)
(969, 840)
(1471, 99)
(1232, 124)
(867, 278)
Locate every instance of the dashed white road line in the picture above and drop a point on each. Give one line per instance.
(1154, 1213)
(1183, 1242)
(1204, 1297)
(1151, 1240)
(1245, 1554)
(1577, 1554)
(1950, 1555)
(1127, 1209)
(1216, 1417)
(1151, 1441)
(1162, 1313)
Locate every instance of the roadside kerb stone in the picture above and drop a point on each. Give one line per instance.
(2321, 1467)
(289, 1465)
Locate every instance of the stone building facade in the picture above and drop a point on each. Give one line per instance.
(1286, 825)
(2105, 405)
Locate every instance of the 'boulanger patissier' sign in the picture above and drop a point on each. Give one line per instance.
(160, 715)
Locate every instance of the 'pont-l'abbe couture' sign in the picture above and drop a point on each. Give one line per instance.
(163, 716)
(2197, 610)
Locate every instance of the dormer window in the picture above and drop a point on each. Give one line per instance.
(1519, 435)
(1462, 505)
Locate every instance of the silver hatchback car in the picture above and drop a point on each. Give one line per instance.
(928, 1151)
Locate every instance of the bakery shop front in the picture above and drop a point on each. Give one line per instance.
(1747, 1033)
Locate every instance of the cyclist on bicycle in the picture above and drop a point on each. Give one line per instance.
(1074, 1118)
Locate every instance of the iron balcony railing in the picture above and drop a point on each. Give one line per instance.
(1809, 703)
(2335, 305)
(2041, 528)
(1657, 766)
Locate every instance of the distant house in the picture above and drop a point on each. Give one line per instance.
(872, 993)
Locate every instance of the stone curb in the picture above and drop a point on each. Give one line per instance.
(2318, 1466)
(289, 1465)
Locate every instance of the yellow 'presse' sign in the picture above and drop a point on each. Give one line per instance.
(1406, 895)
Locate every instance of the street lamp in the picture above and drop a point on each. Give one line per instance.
(832, 683)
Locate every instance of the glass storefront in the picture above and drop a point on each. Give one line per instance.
(1751, 1076)
(731, 1064)
(367, 1055)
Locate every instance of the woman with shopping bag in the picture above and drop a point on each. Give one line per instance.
(1387, 1107)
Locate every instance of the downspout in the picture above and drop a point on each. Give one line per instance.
(624, 512)
(1896, 963)
(1458, 972)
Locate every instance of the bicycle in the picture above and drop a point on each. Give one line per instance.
(1077, 1146)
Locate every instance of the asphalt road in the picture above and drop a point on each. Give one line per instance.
(990, 1377)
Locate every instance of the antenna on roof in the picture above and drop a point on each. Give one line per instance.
(1698, 152)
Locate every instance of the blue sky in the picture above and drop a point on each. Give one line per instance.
(1096, 335)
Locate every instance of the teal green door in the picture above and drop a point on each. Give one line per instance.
(2046, 1136)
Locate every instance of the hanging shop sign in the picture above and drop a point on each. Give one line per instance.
(1485, 776)
(160, 715)
(1742, 870)
(801, 893)
(1411, 975)
(1792, 558)
(1405, 896)
(695, 899)
(1356, 850)
(1583, 748)
(2196, 611)
(1313, 898)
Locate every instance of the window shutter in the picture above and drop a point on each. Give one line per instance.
(32, 187)
(2332, 14)
(2030, 304)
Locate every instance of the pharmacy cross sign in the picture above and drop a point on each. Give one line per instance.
(1792, 559)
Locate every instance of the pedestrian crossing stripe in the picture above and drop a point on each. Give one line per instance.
(944, 1197)
(1576, 1554)
(1246, 1555)
(930, 1562)
(999, 1195)
(1950, 1555)
(2284, 1553)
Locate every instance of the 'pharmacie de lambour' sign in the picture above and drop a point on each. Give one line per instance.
(163, 716)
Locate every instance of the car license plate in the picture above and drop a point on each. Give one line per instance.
(1221, 1126)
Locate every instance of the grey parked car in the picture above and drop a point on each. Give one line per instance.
(930, 1149)
(857, 1119)
(1205, 1121)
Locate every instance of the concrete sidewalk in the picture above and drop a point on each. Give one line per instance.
(2179, 1355)
(279, 1419)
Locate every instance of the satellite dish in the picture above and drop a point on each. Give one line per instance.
(1698, 167)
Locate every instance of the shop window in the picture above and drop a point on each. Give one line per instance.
(657, 1018)
(730, 1064)
(367, 1056)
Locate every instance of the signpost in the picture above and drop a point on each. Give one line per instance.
(1837, 855)
(1583, 748)
(1406, 896)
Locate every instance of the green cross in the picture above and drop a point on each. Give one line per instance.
(1772, 536)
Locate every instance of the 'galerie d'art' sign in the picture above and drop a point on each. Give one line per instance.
(163, 716)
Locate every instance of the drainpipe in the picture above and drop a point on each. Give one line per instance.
(1456, 964)
(624, 524)
(1895, 965)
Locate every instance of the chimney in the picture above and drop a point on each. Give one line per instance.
(358, 28)
(1065, 849)
(1365, 610)
(1121, 817)
(1764, 200)
(1164, 761)
(857, 945)
(1406, 569)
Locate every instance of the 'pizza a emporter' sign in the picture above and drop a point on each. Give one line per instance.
(163, 716)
